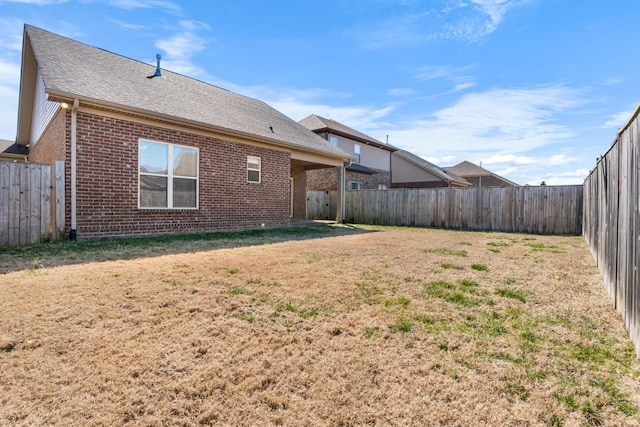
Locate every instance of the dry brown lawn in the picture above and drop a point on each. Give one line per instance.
(368, 326)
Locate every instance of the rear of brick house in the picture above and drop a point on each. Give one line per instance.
(149, 155)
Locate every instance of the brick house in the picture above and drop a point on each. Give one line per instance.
(411, 171)
(377, 165)
(371, 167)
(148, 151)
(478, 176)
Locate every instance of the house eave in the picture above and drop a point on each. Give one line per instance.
(356, 138)
(436, 172)
(335, 158)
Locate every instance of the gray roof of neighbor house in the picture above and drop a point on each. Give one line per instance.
(430, 167)
(468, 169)
(71, 69)
(11, 148)
(318, 124)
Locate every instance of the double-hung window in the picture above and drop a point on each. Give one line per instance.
(253, 169)
(356, 152)
(168, 176)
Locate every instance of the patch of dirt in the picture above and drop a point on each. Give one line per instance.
(394, 326)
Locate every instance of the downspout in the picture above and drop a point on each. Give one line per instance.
(74, 140)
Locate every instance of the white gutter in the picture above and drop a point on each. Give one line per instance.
(74, 131)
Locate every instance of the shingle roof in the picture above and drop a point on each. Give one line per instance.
(71, 69)
(10, 147)
(435, 170)
(317, 123)
(468, 169)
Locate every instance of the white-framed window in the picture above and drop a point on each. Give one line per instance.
(352, 185)
(356, 152)
(333, 140)
(167, 176)
(253, 169)
(382, 186)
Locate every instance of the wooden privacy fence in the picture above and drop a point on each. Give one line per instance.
(539, 210)
(31, 203)
(612, 223)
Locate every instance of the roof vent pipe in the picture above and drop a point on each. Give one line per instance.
(158, 73)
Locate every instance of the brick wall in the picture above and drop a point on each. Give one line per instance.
(487, 181)
(107, 182)
(369, 182)
(299, 191)
(51, 145)
(325, 179)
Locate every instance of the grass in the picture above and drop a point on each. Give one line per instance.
(358, 330)
(404, 301)
(517, 294)
(402, 325)
(453, 293)
(445, 251)
(126, 248)
(479, 267)
(448, 266)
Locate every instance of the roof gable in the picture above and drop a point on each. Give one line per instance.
(71, 69)
(319, 124)
(441, 173)
(468, 169)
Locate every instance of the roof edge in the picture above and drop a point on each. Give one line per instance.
(58, 96)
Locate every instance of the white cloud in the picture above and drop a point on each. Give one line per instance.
(417, 23)
(458, 76)
(561, 160)
(575, 177)
(9, 83)
(442, 161)
(509, 158)
(144, 4)
(496, 9)
(11, 34)
(36, 2)
(501, 121)
(8, 111)
(619, 119)
(182, 46)
(10, 49)
(401, 92)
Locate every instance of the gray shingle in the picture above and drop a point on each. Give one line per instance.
(428, 166)
(316, 123)
(73, 69)
(10, 147)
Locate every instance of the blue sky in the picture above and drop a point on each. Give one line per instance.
(534, 89)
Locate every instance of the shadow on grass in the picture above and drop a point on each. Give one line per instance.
(125, 248)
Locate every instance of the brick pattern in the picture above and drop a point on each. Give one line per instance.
(487, 181)
(420, 184)
(299, 191)
(51, 145)
(107, 182)
(326, 179)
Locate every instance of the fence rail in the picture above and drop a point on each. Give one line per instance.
(538, 210)
(612, 223)
(31, 203)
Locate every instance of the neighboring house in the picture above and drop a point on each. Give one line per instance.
(411, 171)
(11, 151)
(149, 151)
(371, 167)
(478, 176)
(377, 165)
